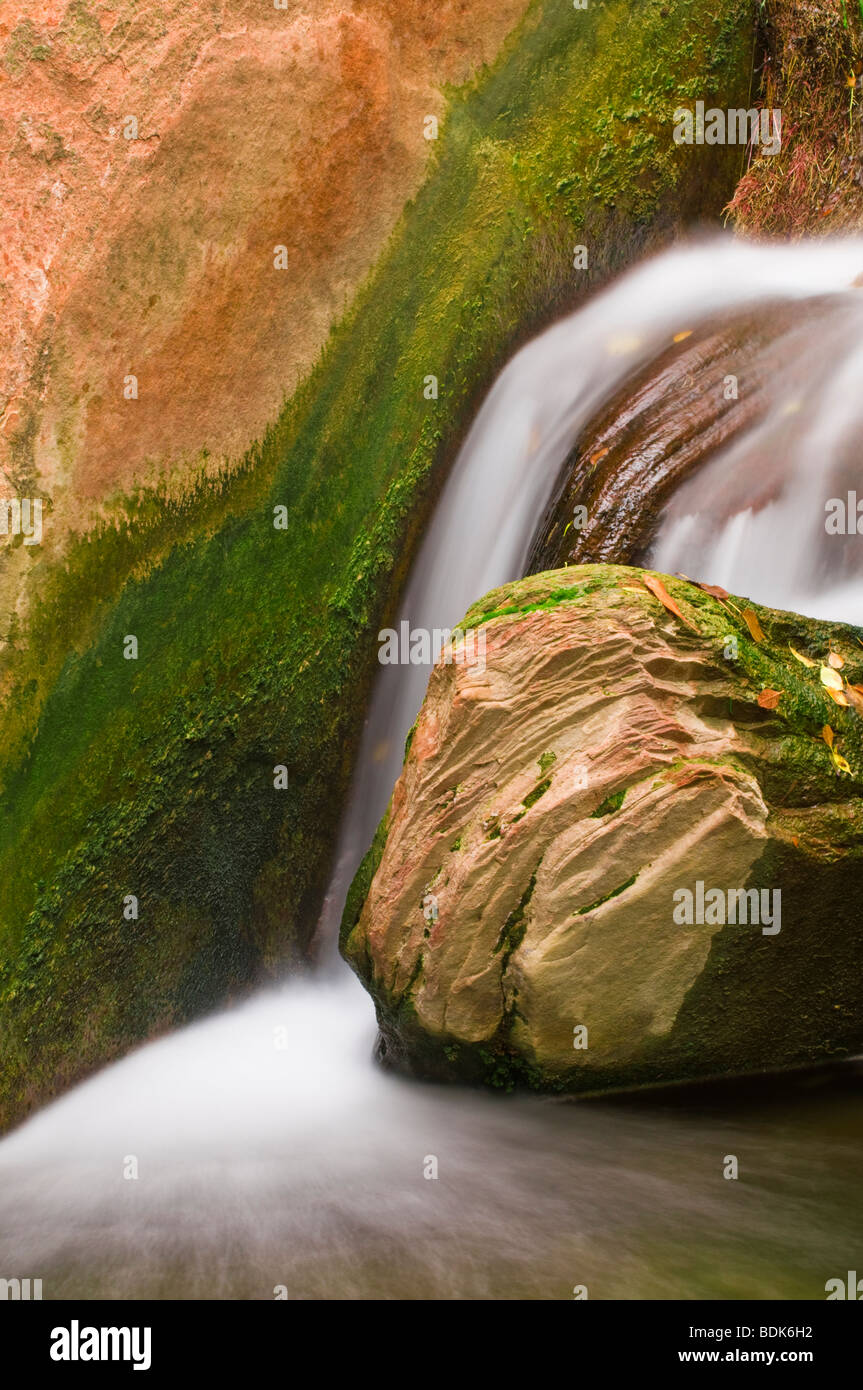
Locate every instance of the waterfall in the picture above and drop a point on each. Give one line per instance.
(266, 1129)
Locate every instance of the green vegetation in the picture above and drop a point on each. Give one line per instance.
(154, 777)
(611, 804)
(814, 51)
(804, 707)
(606, 897)
(513, 930)
(533, 796)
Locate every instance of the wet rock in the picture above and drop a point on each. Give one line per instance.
(670, 419)
(608, 861)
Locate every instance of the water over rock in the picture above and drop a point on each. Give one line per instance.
(625, 847)
(740, 391)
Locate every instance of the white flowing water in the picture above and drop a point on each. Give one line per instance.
(268, 1147)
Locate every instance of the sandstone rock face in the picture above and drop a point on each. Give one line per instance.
(522, 923)
(257, 125)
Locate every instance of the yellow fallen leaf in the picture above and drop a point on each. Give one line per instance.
(804, 660)
(840, 762)
(750, 617)
(838, 697)
(827, 735)
(831, 678)
(658, 589)
(679, 337)
(835, 660)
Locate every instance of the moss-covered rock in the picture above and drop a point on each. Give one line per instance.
(681, 899)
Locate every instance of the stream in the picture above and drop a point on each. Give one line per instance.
(272, 1152)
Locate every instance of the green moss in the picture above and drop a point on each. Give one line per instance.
(358, 891)
(805, 707)
(410, 738)
(533, 796)
(513, 930)
(20, 48)
(611, 804)
(606, 897)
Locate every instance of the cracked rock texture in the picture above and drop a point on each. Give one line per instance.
(552, 803)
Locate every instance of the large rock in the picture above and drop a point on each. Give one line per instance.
(257, 125)
(530, 879)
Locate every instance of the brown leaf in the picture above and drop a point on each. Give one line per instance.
(769, 699)
(658, 589)
(854, 697)
(715, 590)
(835, 660)
(750, 617)
(838, 697)
(827, 735)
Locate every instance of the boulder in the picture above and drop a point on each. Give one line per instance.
(625, 847)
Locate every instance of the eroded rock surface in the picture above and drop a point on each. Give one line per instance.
(256, 125)
(556, 797)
